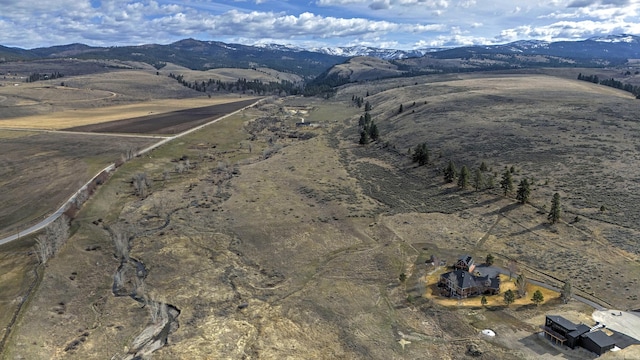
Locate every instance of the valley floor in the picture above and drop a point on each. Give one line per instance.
(280, 241)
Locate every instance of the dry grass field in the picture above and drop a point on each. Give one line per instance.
(230, 74)
(364, 68)
(286, 242)
(80, 117)
(86, 91)
(40, 171)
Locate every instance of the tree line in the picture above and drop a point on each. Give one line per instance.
(635, 90)
(283, 87)
(37, 76)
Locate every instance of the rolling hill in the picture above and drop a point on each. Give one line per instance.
(309, 63)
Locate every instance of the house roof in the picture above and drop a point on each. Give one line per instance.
(600, 338)
(568, 325)
(580, 329)
(463, 279)
(466, 280)
(466, 259)
(495, 283)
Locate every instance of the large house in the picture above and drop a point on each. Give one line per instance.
(562, 331)
(462, 284)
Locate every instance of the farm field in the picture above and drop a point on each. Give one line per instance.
(53, 165)
(286, 241)
(112, 87)
(173, 122)
(40, 170)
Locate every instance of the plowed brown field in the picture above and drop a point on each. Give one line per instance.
(168, 123)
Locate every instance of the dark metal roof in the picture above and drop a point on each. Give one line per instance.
(580, 329)
(600, 338)
(566, 324)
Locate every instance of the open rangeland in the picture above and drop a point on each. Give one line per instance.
(271, 241)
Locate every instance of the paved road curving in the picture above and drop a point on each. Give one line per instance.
(51, 218)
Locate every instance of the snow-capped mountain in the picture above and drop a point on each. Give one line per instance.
(386, 54)
(352, 51)
(310, 62)
(621, 38)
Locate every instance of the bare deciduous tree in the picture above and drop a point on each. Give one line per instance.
(120, 237)
(567, 292)
(512, 266)
(55, 235)
(141, 184)
(159, 206)
(43, 249)
(128, 154)
(521, 283)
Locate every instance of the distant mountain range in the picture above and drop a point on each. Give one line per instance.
(202, 55)
(353, 51)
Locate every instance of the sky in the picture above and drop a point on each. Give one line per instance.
(394, 24)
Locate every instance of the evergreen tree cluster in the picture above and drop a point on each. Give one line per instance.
(466, 177)
(37, 76)
(368, 129)
(241, 85)
(357, 101)
(325, 85)
(421, 154)
(635, 90)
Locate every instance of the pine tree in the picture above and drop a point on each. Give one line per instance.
(373, 132)
(463, 178)
(364, 137)
(367, 106)
(489, 260)
(450, 172)
(400, 110)
(509, 297)
(367, 118)
(421, 154)
(478, 180)
(524, 191)
(554, 213)
(490, 182)
(537, 298)
(507, 182)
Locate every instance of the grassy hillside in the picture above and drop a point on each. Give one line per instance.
(289, 242)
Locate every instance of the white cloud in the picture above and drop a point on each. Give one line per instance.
(406, 23)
